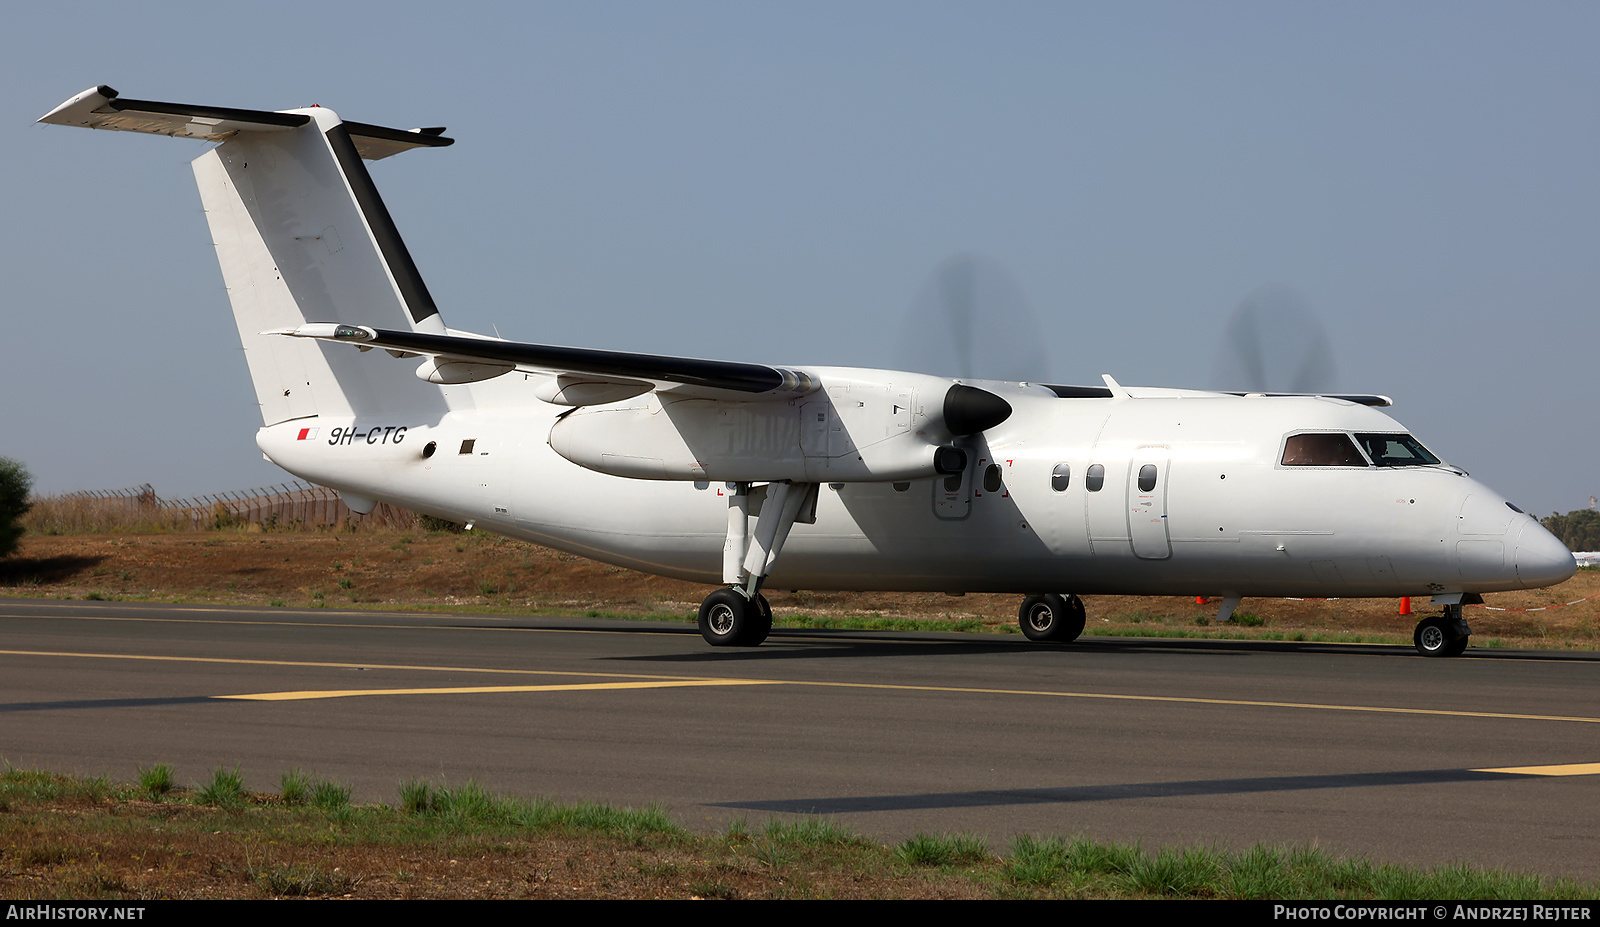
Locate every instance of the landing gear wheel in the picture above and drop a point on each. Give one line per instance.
(1437, 637)
(1051, 617)
(728, 619)
(762, 626)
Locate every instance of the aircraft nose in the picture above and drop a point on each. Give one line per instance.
(1542, 560)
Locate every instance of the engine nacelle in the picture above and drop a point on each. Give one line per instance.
(850, 431)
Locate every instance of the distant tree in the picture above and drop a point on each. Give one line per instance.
(15, 484)
(1579, 529)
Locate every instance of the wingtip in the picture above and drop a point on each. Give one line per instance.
(84, 102)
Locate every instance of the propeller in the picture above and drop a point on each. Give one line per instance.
(970, 320)
(1273, 343)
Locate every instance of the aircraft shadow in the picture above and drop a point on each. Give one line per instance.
(29, 571)
(1117, 792)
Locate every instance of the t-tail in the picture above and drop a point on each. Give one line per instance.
(302, 237)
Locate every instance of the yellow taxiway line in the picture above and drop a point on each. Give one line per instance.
(474, 690)
(659, 680)
(1570, 769)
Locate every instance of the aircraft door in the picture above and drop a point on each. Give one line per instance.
(1147, 502)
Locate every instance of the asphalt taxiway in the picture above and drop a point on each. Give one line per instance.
(1492, 758)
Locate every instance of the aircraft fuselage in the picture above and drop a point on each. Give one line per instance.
(1222, 514)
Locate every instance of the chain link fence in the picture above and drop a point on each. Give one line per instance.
(286, 506)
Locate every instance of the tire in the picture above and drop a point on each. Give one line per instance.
(728, 619)
(1051, 618)
(761, 626)
(1076, 618)
(1436, 637)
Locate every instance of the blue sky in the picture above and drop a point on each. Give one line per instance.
(776, 182)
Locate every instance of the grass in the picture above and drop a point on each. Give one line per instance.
(119, 514)
(330, 796)
(460, 842)
(156, 781)
(294, 787)
(32, 785)
(810, 832)
(299, 881)
(469, 807)
(1083, 866)
(225, 790)
(942, 850)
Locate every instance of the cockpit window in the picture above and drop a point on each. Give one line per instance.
(1396, 450)
(1321, 450)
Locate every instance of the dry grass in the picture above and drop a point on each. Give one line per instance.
(413, 569)
(86, 839)
(86, 514)
(142, 513)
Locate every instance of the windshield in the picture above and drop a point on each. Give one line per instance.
(1388, 450)
(1331, 449)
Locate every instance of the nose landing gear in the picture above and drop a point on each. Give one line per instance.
(1051, 617)
(1442, 635)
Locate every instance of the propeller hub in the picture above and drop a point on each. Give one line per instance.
(969, 410)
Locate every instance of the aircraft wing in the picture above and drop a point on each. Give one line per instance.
(475, 357)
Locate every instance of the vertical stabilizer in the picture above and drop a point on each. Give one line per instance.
(302, 236)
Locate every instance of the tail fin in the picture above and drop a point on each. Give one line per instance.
(302, 236)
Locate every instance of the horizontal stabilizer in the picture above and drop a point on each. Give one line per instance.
(101, 108)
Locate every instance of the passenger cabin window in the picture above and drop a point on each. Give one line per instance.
(1061, 477)
(1389, 450)
(991, 478)
(1147, 477)
(1094, 478)
(1321, 450)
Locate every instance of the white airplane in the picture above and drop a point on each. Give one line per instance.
(800, 476)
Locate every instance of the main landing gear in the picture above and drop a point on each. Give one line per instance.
(1051, 617)
(728, 619)
(738, 615)
(1442, 635)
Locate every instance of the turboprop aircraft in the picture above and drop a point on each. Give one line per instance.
(800, 476)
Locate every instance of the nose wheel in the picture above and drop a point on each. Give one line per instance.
(728, 619)
(1051, 617)
(1442, 635)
